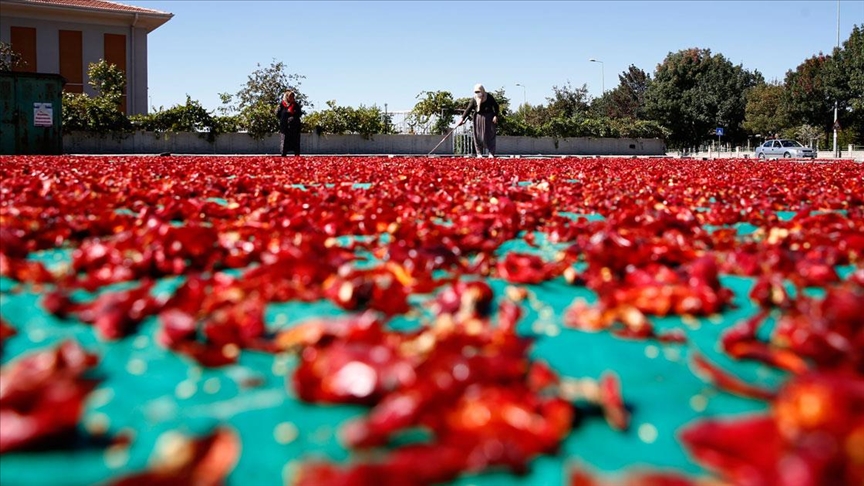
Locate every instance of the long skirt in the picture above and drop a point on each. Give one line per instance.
(484, 133)
(289, 141)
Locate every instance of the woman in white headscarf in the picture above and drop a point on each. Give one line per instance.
(485, 111)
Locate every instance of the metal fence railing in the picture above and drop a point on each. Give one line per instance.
(463, 143)
(408, 123)
(399, 121)
(461, 140)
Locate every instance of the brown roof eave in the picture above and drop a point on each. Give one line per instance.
(148, 20)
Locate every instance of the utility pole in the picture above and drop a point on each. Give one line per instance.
(602, 74)
(524, 97)
(836, 153)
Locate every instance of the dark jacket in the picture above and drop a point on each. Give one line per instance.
(289, 120)
(489, 106)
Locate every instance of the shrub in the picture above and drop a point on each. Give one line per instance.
(93, 114)
(365, 121)
(100, 113)
(189, 117)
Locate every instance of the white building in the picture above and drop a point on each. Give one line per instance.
(64, 36)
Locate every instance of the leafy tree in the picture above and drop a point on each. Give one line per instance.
(765, 112)
(850, 60)
(503, 102)
(367, 121)
(844, 79)
(387, 119)
(694, 91)
(100, 113)
(228, 108)
(565, 114)
(630, 128)
(523, 122)
(333, 120)
(567, 102)
(9, 58)
(600, 107)
(190, 117)
(535, 116)
(517, 123)
(437, 108)
(569, 115)
(257, 99)
(108, 80)
(337, 120)
(227, 124)
(627, 100)
(808, 133)
(562, 117)
(807, 97)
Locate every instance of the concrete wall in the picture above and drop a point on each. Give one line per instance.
(580, 146)
(241, 143)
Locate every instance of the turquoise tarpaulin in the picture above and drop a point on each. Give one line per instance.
(148, 390)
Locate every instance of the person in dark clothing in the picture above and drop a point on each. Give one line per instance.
(485, 111)
(289, 112)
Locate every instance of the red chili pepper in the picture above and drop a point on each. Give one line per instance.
(527, 269)
(815, 423)
(117, 314)
(24, 270)
(612, 402)
(726, 382)
(581, 477)
(6, 331)
(466, 299)
(178, 459)
(42, 396)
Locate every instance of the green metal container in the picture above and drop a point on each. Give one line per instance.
(31, 113)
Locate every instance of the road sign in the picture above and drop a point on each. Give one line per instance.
(719, 131)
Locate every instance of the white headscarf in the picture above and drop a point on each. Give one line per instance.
(481, 96)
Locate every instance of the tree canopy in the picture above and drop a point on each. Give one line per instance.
(695, 91)
(689, 94)
(765, 113)
(257, 98)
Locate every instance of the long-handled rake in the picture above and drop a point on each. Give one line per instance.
(442, 140)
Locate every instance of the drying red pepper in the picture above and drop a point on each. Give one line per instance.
(179, 459)
(42, 396)
(6, 331)
(813, 435)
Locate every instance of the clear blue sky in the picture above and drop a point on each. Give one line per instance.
(372, 53)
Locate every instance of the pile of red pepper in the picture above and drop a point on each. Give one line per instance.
(465, 380)
(247, 232)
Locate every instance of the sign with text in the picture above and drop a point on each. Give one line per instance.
(43, 115)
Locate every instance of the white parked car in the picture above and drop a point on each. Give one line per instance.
(788, 149)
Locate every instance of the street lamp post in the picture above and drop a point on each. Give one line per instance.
(524, 102)
(836, 154)
(602, 75)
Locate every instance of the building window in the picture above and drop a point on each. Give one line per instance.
(115, 53)
(72, 61)
(23, 40)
